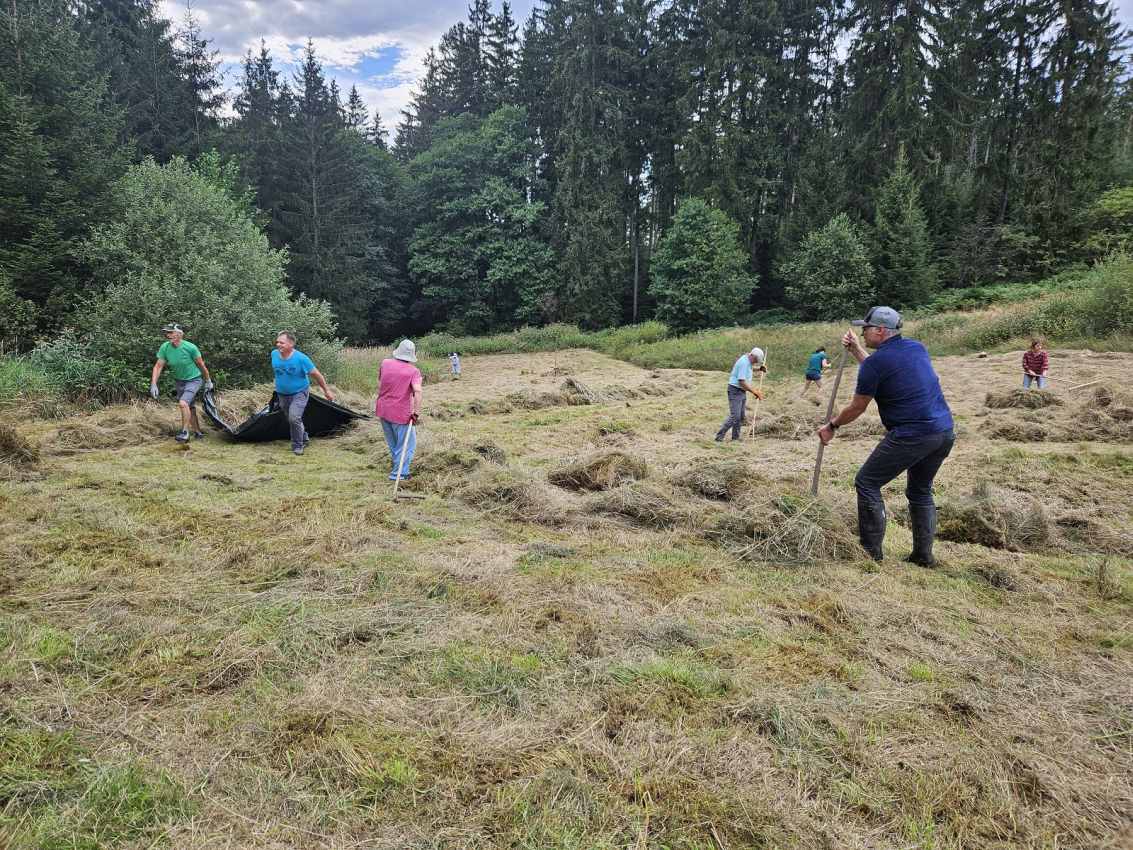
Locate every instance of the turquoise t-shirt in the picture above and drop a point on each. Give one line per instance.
(740, 372)
(291, 374)
(814, 365)
(181, 359)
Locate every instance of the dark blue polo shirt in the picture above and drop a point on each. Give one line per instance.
(900, 377)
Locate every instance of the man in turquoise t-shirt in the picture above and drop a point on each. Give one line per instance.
(814, 369)
(739, 385)
(185, 361)
(292, 385)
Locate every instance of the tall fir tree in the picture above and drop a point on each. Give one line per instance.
(904, 273)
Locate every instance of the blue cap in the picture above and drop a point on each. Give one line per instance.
(880, 317)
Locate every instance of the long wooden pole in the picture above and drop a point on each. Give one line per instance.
(829, 415)
(755, 407)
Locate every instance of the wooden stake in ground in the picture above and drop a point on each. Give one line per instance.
(755, 407)
(401, 462)
(829, 416)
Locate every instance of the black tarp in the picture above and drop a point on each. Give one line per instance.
(321, 418)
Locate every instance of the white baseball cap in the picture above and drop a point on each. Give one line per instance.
(757, 353)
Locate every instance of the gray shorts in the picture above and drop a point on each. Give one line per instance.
(186, 391)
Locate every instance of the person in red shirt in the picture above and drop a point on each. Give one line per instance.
(399, 404)
(1036, 362)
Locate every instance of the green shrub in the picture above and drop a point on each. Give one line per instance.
(180, 248)
(1107, 306)
(830, 276)
(699, 270)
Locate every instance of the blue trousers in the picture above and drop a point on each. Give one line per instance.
(293, 405)
(396, 436)
(1041, 380)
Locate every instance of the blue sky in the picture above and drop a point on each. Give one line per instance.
(377, 45)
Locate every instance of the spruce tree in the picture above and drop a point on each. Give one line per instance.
(904, 272)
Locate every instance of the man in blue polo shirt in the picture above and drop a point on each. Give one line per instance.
(899, 375)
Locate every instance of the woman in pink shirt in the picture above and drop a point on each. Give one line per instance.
(399, 404)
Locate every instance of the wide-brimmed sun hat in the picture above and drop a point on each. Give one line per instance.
(406, 351)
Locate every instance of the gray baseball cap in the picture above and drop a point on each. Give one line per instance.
(172, 326)
(880, 317)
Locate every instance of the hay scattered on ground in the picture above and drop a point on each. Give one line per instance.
(645, 504)
(997, 518)
(1086, 533)
(519, 497)
(15, 448)
(722, 481)
(490, 451)
(1018, 397)
(788, 530)
(602, 471)
(114, 427)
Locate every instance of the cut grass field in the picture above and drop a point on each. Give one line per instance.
(672, 647)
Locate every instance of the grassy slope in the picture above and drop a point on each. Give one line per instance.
(232, 647)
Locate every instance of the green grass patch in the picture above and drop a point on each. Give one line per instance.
(693, 677)
(55, 796)
(494, 677)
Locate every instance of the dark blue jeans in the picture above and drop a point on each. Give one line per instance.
(921, 456)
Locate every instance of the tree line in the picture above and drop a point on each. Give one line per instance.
(604, 162)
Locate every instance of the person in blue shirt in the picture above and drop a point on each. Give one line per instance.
(293, 371)
(739, 385)
(918, 421)
(814, 369)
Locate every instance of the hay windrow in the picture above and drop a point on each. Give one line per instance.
(722, 481)
(996, 518)
(113, 427)
(789, 529)
(1017, 397)
(601, 471)
(15, 448)
(505, 491)
(644, 503)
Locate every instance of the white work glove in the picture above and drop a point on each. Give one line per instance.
(154, 392)
(208, 386)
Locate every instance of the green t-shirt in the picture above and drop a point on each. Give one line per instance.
(181, 359)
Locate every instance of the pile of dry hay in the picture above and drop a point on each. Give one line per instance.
(645, 504)
(113, 427)
(997, 518)
(789, 529)
(1105, 416)
(1019, 397)
(16, 449)
(722, 481)
(519, 497)
(601, 471)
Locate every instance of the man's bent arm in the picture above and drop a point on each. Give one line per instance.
(157, 367)
(852, 411)
(318, 376)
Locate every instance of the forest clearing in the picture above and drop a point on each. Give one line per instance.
(598, 628)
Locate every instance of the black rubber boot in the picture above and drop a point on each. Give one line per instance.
(922, 520)
(871, 528)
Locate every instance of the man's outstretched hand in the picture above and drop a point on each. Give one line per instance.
(154, 392)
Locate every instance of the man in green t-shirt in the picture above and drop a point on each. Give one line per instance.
(189, 373)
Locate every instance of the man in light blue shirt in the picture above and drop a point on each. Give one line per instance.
(292, 385)
(739, 385)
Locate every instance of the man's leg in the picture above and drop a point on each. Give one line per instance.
(889, 459)
(1026, 382)
(731, 413)
(293, 406)
(738, 412)
(922, 508)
